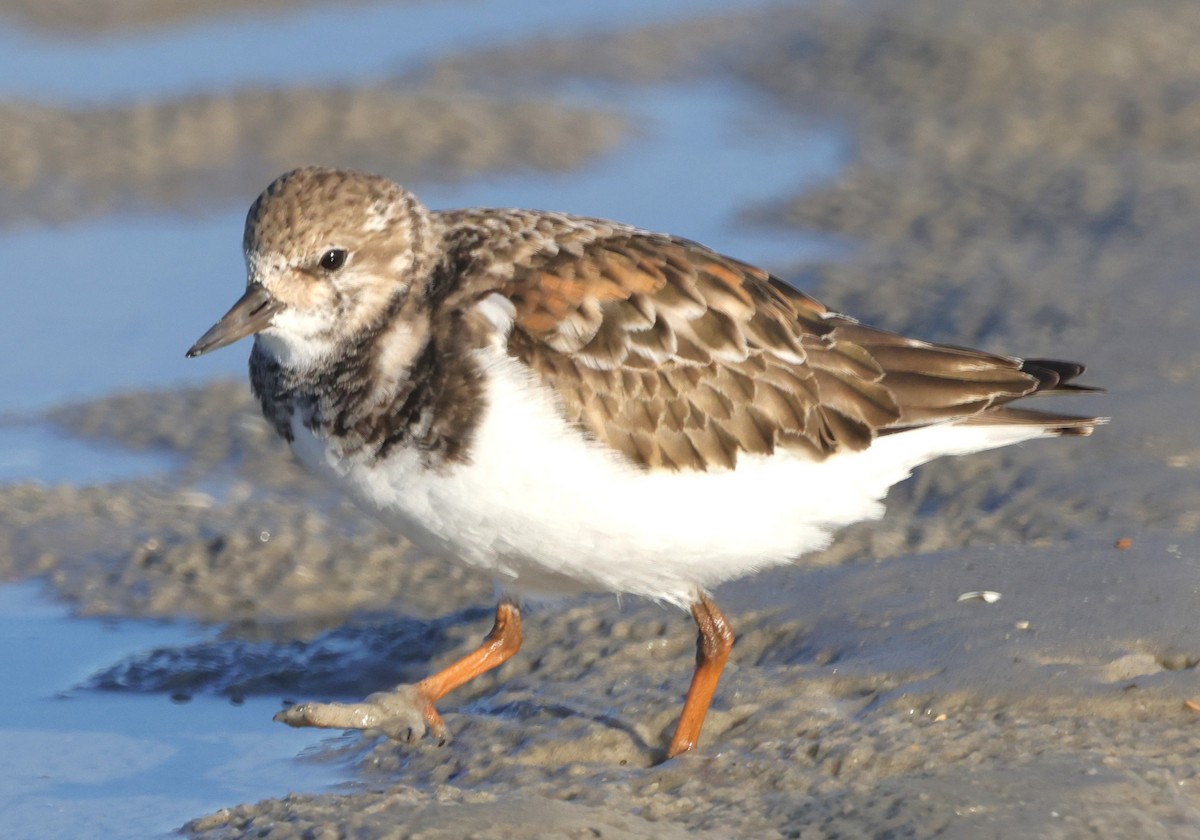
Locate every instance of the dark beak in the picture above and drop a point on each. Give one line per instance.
(251, 313)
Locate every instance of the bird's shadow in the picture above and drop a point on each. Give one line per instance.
(348, 662)
(527, 709)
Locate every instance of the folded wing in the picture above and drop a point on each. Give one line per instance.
(678, 357)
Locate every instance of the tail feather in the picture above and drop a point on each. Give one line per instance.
(1054, 424)
(1055, 376)
(983, 397)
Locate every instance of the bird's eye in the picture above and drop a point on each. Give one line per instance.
(333, 259)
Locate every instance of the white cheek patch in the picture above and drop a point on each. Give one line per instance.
(298, 340)
(295, 322)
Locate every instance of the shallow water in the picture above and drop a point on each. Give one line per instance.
(80, 763)
(33, 451)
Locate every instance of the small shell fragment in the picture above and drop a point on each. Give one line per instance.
(988, 596)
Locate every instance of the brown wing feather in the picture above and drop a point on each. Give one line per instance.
(679, 357)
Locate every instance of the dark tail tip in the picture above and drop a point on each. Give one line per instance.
(1055, 376)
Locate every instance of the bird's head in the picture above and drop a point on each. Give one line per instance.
(329, 254)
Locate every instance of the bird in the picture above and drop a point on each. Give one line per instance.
(574, 404)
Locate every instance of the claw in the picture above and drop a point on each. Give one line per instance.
(403, 714)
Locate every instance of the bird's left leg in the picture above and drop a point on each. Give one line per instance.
(407, 712)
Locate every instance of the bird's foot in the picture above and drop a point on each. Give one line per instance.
(403, 714)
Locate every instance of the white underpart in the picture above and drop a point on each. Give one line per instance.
(547, 510)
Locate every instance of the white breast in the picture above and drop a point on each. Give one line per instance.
(545, 509)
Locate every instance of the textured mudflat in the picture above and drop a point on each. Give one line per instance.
(863, 700)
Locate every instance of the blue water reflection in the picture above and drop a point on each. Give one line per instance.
(95, 764)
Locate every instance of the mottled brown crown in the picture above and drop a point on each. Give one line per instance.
(311, 209)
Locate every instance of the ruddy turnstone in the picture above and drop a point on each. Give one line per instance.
(572, 403)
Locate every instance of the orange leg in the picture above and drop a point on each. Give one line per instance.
(407, 711)
(499, 647)
(712, 649)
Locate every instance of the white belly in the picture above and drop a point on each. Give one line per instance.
(543, 508)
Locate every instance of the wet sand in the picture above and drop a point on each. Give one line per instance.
(66, 163)
(1024, 179)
